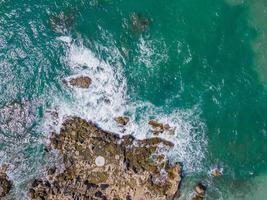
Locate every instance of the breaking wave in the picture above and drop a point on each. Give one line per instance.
(107, 98)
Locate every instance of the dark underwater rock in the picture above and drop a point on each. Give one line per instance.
(62, 22)
(101, 165)
(17, 117)
(139, 23)
(5, 184)
(200, 190)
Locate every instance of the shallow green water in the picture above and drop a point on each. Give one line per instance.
(183, 54)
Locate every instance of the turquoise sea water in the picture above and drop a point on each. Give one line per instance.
(196, 64)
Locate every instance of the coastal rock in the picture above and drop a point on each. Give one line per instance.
(80, 82)
(158, 128)
(101, 165)
(122, 120)
(200, 190)
(5, 184)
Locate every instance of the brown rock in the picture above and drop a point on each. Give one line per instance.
(123, 120)
(5, 184)
(80, 82)
(216, 172)
(101, 165)
(158, 128)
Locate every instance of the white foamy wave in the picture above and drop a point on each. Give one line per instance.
(106, 99)
(151, 52)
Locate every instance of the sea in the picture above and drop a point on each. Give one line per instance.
(198, 65)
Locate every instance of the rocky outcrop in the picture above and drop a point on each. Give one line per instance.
(5, 184)
(80, 82)
(101, 165)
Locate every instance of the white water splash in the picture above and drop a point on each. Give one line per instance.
(151, 52)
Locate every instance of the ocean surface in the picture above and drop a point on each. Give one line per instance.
(198, 65)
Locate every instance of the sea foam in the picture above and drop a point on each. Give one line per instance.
(107, 98)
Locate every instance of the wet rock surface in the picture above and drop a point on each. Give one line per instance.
(122, 120)
(5, 184)
(158, 127)
(80, 82)
(17, 117)
(101, 165)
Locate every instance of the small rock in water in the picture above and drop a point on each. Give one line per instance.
(160, 127)
(80, 82)
(216, 172)
(122, 120)
(100, 161)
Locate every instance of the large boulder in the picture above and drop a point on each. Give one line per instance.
(101, 165)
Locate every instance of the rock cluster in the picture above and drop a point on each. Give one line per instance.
(158, 127)
(101, 165)
(5, 184)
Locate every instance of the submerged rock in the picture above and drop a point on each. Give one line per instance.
(122, 120)
(61, 22)
(139, 23)
(5, 184)
(200, 190)
(80, 82)
(101, 165)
